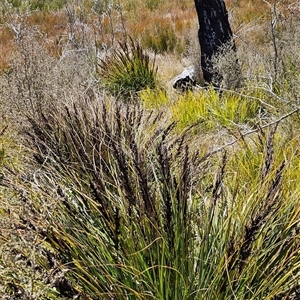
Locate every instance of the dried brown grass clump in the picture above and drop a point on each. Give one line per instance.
(163, 32)
(6, 49)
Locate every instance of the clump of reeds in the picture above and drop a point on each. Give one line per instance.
(141, 213)
(134, 200)
(128, 70)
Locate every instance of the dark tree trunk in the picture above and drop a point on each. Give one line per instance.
(214, 33)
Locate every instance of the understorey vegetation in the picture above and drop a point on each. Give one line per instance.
(115, 186)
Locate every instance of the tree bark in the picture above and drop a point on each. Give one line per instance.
(214, 33)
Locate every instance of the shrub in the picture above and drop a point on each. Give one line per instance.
(128, 70)
(226, 67)
(37, 81)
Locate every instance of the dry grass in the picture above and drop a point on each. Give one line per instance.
(163, 27)
(6, 48)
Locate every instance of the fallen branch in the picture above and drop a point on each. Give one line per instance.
(243, 135)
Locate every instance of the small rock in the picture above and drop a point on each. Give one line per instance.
(185, 81)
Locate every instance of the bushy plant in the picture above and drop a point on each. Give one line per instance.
(36, 80)
(142, 213)
(226, 67)
(128, 70)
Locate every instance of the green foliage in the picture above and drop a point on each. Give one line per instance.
(154, 99)
(212, 109)
(235, 109)
(192, 108)
(142, 214)
(38, 4)
(128, 70)
(46, 5)
(162, 38)
(152, 4)
(133, 204)
(15, 3)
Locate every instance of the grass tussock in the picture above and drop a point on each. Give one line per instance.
(171, 196)
(6, 49)
(135, 212)
(128, 71)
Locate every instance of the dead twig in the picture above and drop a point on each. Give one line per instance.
(243, 135)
